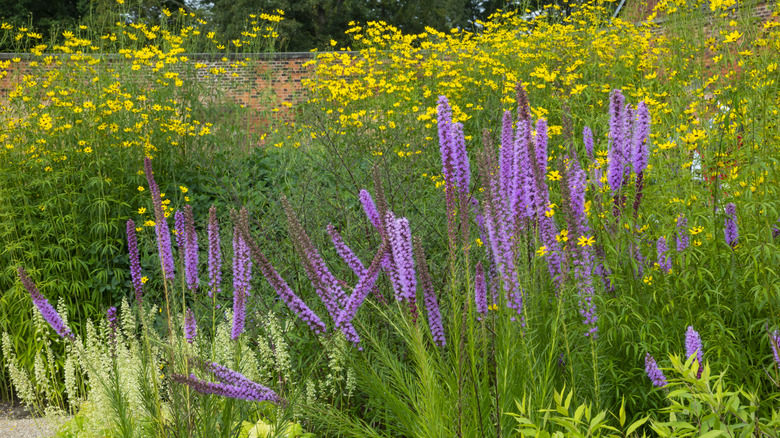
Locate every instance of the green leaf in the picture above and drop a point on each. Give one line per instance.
(635, 425)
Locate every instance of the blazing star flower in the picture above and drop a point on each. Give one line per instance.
(360, 292)
(587, 138)
(452, 146)
(181, 232)
(47, 310)
(345, 251)
(431, 304)
(370, 209)
(190, 326)
(693, 346)
(234, 384)
(276, 281)
(215, 254)
(135, 262)
(653, 372)
(403, 259)
(730, 227)
(617, 138)
(160, 224)
(640, 153)
(774, 342)
(191, 250)
(664, 260)
(683, 239)
(112, 327)
(480, 290)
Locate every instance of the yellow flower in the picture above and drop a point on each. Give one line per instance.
(183, 189)
(479, 241)
(563, 236)
(493, 306)
(149, 223)
(144, 279)
(87, 150)
(554, 175)
(696, 230)
(586, 241)
(648, 279)
(733, 36)
(542, 251)
(142, 210)
(141, 188)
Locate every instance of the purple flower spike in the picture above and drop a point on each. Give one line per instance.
(480, 292)
(234, 384)
(242, 274)
(617, 139)
(242, 264)
(191, 250)
(190, 326)
(135, 262)
(693, 346)
(653, 372)
(47, 311)
(112, 328)
(774, 340)
(346, 252)
(215, 254)
(284, 291)
(161, 224)
(664, 260)
(431, 304)
(403, 259)
(587, 138)
(452, 146)
(730, 226)
(180, 231)
(370, 208)
(640, 152)
(541, 146)
(682, 233)
(359, 294)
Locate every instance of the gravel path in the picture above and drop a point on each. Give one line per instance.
(16, 422)
(26, 428)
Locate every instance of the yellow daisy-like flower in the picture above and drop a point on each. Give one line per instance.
(149, 224)
(87, 150)
(696, 230)
(141, 188)
(554, 175)
(648, 279)
(479, 242)
(542, 251)
(493, 306)
(586, 241)
(144, 279)
(184, 189)
(142, 210)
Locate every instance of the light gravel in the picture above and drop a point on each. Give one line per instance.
(28, 427)
(17, 422)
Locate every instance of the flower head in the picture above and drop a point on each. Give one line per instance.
(47, 310)
(653, 372)
(693, 347)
